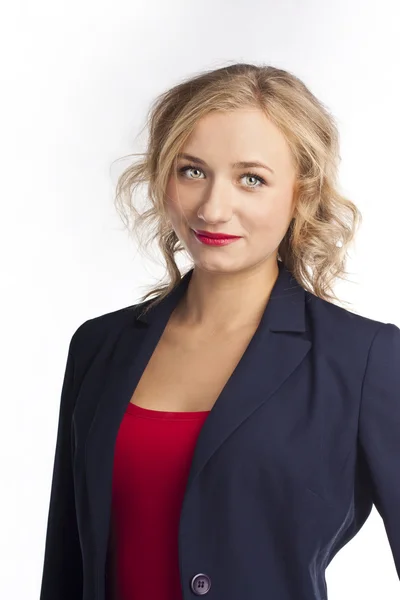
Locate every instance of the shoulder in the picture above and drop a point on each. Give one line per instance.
(348, 338)
(90, 335)
(332, 318)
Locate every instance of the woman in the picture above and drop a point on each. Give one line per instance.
(230, 435)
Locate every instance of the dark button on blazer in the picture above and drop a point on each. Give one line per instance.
(302, 441)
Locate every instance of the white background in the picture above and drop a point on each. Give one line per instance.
(77, 79)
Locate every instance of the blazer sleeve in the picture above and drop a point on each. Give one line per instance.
(62, 577)
(379, 430)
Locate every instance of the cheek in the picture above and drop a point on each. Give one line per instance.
(272, 216)
(177, 204)
(175, 208)
(171, 199)
(170, 193)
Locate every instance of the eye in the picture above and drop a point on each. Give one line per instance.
(261, 181)
(257, 177)
(187, 168)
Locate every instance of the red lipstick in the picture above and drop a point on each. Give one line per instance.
(214, 239)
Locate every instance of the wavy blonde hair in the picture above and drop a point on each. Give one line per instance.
(315, 246)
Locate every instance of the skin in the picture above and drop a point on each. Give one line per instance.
(231, 284)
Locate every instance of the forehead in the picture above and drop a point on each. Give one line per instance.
(239, 135)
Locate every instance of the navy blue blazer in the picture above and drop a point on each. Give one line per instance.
(302, 441)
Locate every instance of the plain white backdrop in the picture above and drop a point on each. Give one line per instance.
(77, 79)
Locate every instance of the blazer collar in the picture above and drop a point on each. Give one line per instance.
(285, 310)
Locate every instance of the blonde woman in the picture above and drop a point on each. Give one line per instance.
(229, 434)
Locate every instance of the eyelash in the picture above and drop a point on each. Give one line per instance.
(249, 174)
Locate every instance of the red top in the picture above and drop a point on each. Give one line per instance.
(153, 454)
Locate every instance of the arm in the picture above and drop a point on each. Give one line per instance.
(62, 577)
(379, 430)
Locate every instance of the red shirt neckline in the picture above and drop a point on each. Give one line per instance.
(148, 413)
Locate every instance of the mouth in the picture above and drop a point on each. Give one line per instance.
(214, 239)
(217, 236)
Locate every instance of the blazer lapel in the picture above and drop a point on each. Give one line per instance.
(276, 349)
(279, 344)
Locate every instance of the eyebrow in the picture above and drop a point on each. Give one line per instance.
(237, 165)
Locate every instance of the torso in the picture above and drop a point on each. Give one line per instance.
(187, 371)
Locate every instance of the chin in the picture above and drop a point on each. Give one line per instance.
(217, 265)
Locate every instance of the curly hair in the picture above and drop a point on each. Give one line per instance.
(315, 246)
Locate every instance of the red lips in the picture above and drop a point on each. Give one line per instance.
(216, 236)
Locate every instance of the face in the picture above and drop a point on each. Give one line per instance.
(209, 193)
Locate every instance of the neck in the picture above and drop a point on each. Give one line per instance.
(223, 302)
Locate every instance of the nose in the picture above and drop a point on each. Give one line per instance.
(217, 205)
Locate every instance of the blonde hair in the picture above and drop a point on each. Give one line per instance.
(315, 246)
